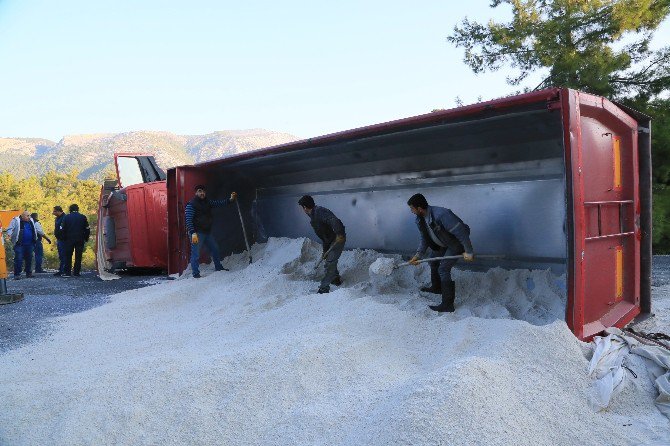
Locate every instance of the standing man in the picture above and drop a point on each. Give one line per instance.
(446, 235)
(75, 232)
(330, 230)
(60, 242)
(199, 221)
(39, 247)
(23, 234)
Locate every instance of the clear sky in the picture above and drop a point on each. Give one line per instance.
(298, 66)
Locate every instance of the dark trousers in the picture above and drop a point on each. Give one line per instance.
(23, 254)
(61, 255)
(442, 267)
(39, 255)
(330, 265)
(77, 248)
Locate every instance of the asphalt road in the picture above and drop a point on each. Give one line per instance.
(660, 271)
(47, 296)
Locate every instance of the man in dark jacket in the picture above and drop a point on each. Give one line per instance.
(330, 230)
(60, 242)
(199, 225)
(75, 232)
(446, 235)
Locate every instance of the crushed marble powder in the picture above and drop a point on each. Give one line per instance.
(255, 356)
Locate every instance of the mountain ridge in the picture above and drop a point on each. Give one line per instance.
(92, 154)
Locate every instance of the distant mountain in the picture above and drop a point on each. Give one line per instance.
(16, 154)
(92, 155)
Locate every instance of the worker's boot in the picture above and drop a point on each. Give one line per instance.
(435, 283)
(448, 298)
(336, 281)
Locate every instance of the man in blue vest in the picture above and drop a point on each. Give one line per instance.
(23, 235)
(75, 232)
(199, 222)
(446, 235)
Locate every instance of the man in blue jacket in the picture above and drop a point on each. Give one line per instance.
(330, 230)
(23, 235)
(199, 222)
(446, 235)
(75, 232)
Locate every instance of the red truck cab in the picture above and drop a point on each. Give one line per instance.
(132, 216)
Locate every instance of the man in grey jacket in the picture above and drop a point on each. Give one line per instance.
(446, 235)
(330, 230)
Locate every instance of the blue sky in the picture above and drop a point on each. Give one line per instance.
(302, 67)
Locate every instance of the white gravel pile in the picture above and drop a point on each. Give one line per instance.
(255, 356)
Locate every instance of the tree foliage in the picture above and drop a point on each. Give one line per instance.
(41, 194)
(597, 46)
(659, 109)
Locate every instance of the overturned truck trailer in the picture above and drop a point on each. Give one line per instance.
(552, 179)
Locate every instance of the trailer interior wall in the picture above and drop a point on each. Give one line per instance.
(507, 168)
(508, 185)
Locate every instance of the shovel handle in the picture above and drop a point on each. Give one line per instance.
(325, 254)
(244, 229)
(432, 259)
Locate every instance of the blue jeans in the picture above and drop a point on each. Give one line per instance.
(39, 255)
(23, 253)
(60, 245)
(208, 241)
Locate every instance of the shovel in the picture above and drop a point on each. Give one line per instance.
(325, 254)
(244, 229)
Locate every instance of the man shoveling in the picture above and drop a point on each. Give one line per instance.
(446, 235)
(330, 230)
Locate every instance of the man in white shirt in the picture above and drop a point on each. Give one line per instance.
(39, 248)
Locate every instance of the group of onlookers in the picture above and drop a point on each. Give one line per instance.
(71, 231)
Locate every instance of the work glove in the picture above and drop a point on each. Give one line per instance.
(233, 196)
(414, 261)
(194, 238)
(468, 256)
(340, 239)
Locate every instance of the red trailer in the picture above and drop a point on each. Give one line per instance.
(132, 216)
(554, 179)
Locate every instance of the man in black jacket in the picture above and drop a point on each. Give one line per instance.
(75, 232)
(199, 222)
(60, 243)
(330, 230)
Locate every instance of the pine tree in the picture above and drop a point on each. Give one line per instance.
(597, 46)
